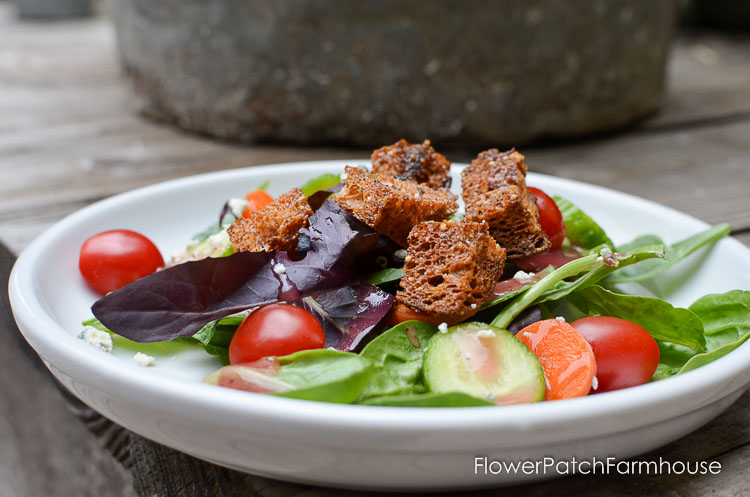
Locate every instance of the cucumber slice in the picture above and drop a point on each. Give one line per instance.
(485, 362)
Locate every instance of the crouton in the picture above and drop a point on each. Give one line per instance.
(415, 162)
(392, 206)
(494, 191)
(275, 227)
(511, 214)
(491, 170)
(451, 269)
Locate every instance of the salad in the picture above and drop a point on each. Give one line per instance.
(379, 287)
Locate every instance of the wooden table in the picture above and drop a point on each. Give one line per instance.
(69, 137)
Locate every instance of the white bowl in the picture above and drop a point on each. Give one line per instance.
(358, 446)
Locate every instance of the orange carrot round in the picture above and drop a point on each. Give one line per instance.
(256, 200)
(566, 357)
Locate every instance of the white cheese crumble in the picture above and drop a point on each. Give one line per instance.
(279, 269)
(443, 327)
(560, 319)
(97, 338)
(485, 333)
(523, 276)
(401, 253)
(608, 257)
(594, 382)
(237, 206)
(144, 360)
(473, 306)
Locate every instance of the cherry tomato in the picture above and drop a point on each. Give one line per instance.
(256, 200)
(112, 259)
(626, 354)
(400, 313)
(550, 217)
(275, 330)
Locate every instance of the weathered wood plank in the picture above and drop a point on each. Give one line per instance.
(45, 448)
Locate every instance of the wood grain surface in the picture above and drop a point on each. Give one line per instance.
(68, 137)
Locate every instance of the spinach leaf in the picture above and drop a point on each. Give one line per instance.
(554, 286)
(95, 323)
(674, 253)
(664, 322)
(580, 229)
(726, 317)
(324, 375)
(322, 182)
(216, 335)
(726, 323)
(453, 399)
(397, 359)
(386, 275)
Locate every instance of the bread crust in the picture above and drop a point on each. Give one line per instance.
(392, 206)
(494, 191)
(416, 162)
(451, 269)
(275, 227)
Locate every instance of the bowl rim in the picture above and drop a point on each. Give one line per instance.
(138, 384)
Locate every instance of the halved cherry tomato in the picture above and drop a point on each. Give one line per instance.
(275, 330)
(256, 200)
(112, 259)
(400, 313)
(626, 354)
(566, 357)
(550, 217)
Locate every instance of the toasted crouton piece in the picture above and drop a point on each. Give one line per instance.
(451, 268)
(491, 170)
(513, 220)
(392, 206)
(275, 227)
(418, 162)
(494, 191)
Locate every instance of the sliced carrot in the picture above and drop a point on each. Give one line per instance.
(256, 200)
(566, 357)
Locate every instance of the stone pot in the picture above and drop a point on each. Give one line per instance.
(478, 73)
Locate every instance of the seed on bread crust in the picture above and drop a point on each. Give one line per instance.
(417, 162)
(451, 270)
(275, 227)
(392, 206)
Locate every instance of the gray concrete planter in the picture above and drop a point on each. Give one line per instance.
(476, 72)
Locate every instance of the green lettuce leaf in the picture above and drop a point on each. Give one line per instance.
(580, 229)
(397, 358)
(454, 399)
(556, 285)
(324, 375)
(673, 253)
(665, 322)
(387, 275)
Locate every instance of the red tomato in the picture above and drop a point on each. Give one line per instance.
(549, 217)
(112, 259)
(626, 354)
(275, 330)
(400, 313)
(537, 262)
(256, 200)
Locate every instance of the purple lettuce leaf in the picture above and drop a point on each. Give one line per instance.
(349, 313)
(178, 301)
